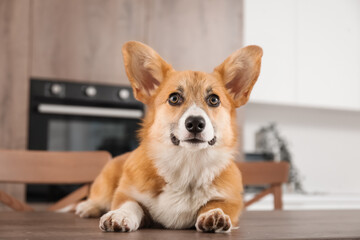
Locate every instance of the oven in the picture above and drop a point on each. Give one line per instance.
(68, 116)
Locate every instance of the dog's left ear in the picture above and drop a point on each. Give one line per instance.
(240, 72)
(144, 68)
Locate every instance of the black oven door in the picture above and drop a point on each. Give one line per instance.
(56, 127)
(68, 132)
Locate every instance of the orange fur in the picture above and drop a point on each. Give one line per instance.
(230, 183)
(138, 177)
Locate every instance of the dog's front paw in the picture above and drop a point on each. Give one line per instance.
(88, 209)
(214, 220)
(124, 219)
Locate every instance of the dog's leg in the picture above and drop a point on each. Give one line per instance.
(89, 209)
(218, 216)
(127, 217)
(99, 199)
(102, 190)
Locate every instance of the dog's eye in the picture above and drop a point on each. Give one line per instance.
(175, 99)
(213, 100)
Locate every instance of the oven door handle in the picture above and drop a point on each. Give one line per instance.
(89, 111)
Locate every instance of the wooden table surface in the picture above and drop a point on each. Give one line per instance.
(340, 224)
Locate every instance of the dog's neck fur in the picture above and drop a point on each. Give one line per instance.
(183, 168)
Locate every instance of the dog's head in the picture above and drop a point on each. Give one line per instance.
(189, 109)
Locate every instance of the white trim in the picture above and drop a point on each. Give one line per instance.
(310, 201)
(89, 111)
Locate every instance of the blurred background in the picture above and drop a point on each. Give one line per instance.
(63, 84)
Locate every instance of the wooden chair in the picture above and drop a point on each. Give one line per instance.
(265, 173)
(42, 167)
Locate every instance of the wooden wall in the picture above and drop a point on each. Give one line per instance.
(195, 35)
(81, 40)
(14, 84)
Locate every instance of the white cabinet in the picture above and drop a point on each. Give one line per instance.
(311, 51)
(328, 53)
(270, 24)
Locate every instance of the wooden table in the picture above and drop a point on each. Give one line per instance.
(341, 224)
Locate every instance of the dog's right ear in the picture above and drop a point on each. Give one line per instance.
(144, 68)
(240, 72)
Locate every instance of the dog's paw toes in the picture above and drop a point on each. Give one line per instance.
(88, 209)
(118, 221)
(214, 220)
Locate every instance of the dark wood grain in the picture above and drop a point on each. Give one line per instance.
(253, 225)
(14, 83)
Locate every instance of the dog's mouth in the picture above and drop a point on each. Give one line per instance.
(193, 140)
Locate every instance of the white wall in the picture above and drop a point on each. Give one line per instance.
(311, 51)
(325, 143)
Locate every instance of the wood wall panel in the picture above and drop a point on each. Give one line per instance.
(196, 35)
(14, 84)
(81, 40)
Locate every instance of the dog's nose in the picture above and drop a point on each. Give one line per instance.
(195, 124)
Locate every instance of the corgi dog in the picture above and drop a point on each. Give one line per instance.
(183, 174)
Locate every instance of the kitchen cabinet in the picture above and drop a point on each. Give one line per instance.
(328, 53)
(270, 24)
(14, 84)
(311, 51)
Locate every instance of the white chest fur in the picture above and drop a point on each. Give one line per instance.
(177, 208)
(189, 177)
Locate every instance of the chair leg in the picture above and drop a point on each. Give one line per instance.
(72, 198)
(14, 203)
(277, 192)
(259, 196)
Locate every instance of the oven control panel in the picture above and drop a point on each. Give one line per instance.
(57, 89)
(90, 91)
(124, 94)
(84, 93)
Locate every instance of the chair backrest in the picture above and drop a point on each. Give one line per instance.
(51, 167)
(273, 174)
(40, 167)
(261, 173)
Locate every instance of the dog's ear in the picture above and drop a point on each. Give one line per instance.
(240, 72)
(144, 68)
